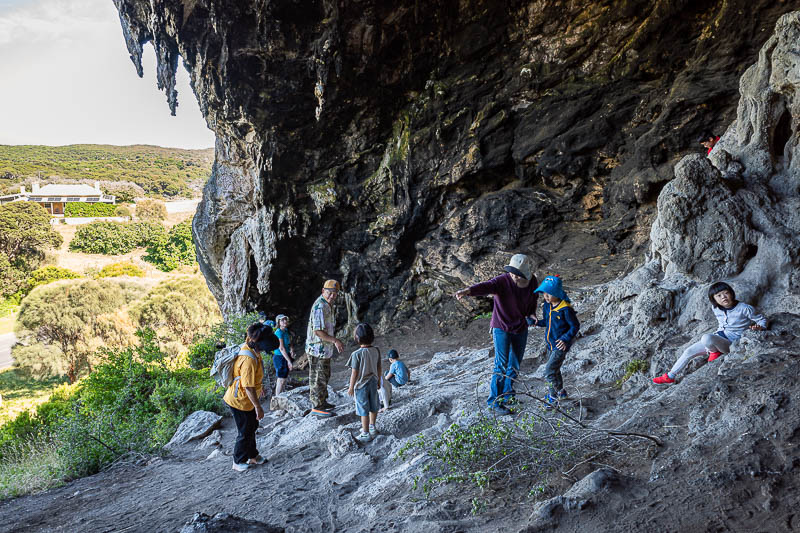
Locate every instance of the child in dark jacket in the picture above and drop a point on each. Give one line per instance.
(562, 325)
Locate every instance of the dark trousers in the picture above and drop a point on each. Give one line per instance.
(552, 372)
(246, 423)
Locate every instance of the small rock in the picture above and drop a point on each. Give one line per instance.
(340, 442)
(212, 440)
(196, 426)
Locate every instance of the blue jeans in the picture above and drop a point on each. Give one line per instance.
(509, 348)
(552, 372)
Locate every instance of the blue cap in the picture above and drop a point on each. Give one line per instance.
(552, 286)
(393, 354)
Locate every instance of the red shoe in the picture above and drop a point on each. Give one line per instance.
(661, 380)
(713, 355)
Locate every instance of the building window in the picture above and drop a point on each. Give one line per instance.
(93, 199)
(73, 199)
(54, 199)
(37, 199)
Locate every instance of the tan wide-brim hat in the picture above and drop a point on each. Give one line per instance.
(520, 265)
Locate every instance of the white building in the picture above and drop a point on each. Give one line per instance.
(55, 197)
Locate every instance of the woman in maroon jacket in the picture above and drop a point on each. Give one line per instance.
(514, 301)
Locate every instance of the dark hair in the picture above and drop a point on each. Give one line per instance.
(260, 337)
(364, 334)
(706, 135)
(393, 354)
(717, 288)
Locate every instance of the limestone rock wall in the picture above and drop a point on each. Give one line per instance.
(409, 148)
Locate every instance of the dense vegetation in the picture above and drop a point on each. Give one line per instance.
(151, 210)
(158, 171)
(168, 252)
(25, 233)
(87, 209)
(124, 268)
(130, 404)
(47, 274)
(76, 316)
(114, 238)
(177, 309)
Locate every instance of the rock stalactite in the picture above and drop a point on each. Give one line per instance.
(408, 147)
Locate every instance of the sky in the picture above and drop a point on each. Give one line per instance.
(66, 78)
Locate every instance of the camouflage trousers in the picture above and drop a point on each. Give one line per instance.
(319, 372)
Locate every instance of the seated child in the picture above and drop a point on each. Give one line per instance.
(366, 367)
(562, 325)
(733, 318)
(398, 375)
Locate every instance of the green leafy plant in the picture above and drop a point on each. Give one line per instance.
(89, 209)
(48, 274)
(114, 238)
(131, 404)
(25, 233)
(633, 366)
(228, 333)
(168, 252)
(124, 268)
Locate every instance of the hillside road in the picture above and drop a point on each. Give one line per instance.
(6, 342)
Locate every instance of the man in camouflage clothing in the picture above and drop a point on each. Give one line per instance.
(320, 342)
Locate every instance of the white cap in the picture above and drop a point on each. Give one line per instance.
(520, 265)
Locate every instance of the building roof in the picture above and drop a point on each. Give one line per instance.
(67, 190)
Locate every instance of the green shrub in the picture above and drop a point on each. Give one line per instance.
(48, 274)
(25, 233)
(131, 403)
(179, 309)
(89, 209)
(66, 314)
(227, 333)
(114, 238)
(122, 211)
(9, 305)
(633, 366)
(168, 252)
(39, 361)
(125, 268)
(151, 210)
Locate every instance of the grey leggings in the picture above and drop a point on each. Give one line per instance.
(708, 343)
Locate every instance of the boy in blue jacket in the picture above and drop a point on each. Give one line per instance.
(562, 326)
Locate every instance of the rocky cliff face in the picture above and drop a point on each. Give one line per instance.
(407, 148)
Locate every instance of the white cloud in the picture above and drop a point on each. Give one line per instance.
(66, 78)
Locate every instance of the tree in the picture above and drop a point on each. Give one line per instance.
(151, 210)
(25, 232)
(168, 252)
(67, 314)
(178, 309)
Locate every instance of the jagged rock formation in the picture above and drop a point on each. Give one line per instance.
(729, 429)
(405, 148)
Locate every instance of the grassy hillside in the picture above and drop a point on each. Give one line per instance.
(159, 171)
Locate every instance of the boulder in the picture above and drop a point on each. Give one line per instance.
(197, 425)
(226, 523)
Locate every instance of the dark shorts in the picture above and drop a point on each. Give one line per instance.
(367, 398)
(281, 368)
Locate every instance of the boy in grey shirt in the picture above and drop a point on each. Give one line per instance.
(365, 364)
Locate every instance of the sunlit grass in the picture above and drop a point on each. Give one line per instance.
(30, 467)
(22, 393)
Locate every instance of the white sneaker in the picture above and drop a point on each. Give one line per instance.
(240, 467)
(364, 437)
(372, 431)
